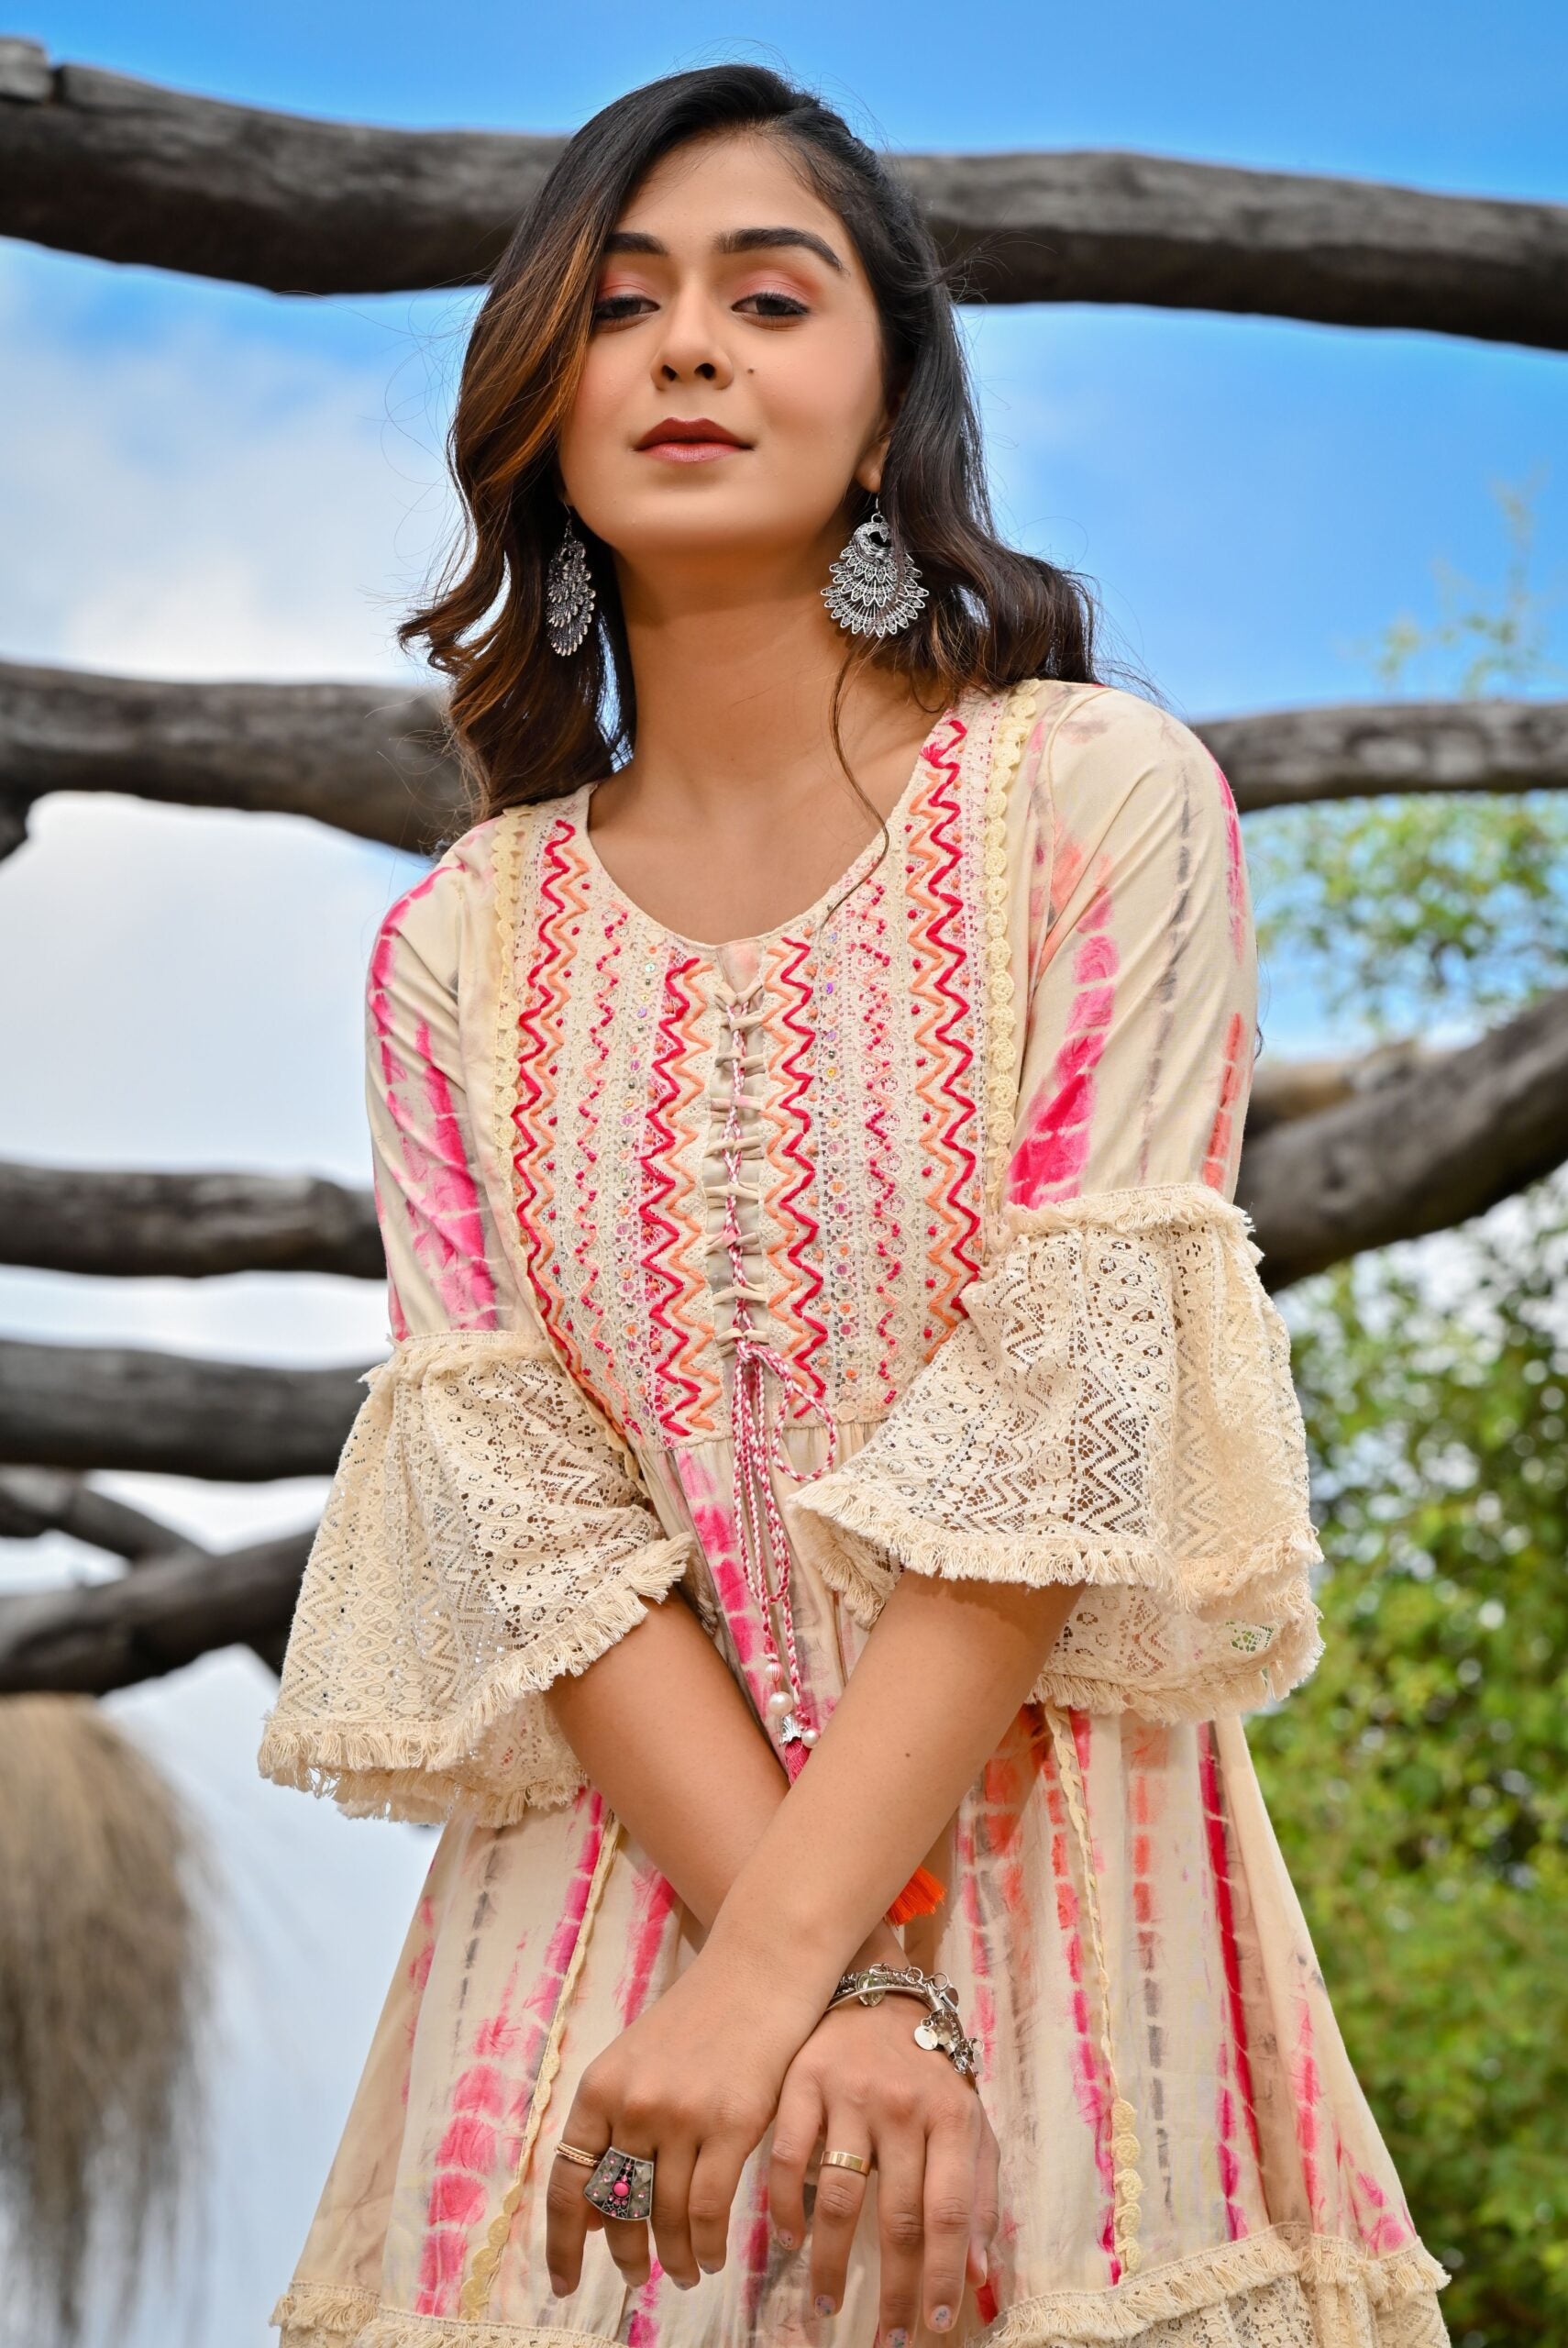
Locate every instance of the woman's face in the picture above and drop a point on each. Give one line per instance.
(778, 342)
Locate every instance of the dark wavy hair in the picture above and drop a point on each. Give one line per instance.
(529, 726)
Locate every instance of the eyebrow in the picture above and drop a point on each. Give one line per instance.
(730, 240)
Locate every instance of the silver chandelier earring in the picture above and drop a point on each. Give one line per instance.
(569, 595)
(875, 591)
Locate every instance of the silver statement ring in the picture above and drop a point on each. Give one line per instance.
(622, 2185)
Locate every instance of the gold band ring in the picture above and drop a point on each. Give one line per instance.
(576, 2153)
(847, 2160)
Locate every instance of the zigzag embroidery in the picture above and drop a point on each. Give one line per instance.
(562, 898)
(938, 961)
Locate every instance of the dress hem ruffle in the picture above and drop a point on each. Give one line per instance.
(1351, 2300)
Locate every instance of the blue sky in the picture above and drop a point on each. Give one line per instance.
(199, 479)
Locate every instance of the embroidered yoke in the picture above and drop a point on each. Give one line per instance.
(901, 1237)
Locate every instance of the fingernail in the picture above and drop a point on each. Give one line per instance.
(787, 2238)
(899, 2338)
(941, 2317)
(823, 2304)
(557, 2285)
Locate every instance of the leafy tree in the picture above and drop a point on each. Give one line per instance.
(1420, 1782)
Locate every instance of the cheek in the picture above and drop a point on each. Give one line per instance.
(596, 421)
(824, 387)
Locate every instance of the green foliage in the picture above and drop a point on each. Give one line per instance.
(1419, 1782)
(1392, 909)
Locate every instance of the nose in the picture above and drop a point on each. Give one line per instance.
(691, 348)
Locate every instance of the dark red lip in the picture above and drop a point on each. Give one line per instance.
(697, 428)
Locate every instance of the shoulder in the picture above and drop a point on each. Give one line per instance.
(1097, 759)
(430, 924)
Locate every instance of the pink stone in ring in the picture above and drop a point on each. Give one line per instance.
(620, 2188)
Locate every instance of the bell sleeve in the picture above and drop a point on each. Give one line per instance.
(1114, 1409)
(485, 1530)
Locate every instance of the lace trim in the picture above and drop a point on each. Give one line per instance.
(1116, 1410)
(1285, 2288)
(480, 1537)
(1392, 2301)
(1001, 1012)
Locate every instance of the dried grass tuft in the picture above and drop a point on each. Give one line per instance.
(105, 1984)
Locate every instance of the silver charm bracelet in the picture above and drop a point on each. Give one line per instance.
(941, 2030)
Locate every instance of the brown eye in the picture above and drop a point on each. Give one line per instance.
(787, 307)
(614, 306)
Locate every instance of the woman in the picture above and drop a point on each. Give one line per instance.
(837, 1483)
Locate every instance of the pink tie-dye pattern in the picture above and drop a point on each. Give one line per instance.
(1236, 868)
(1234, 2054)
(1050, 1158)
(1089, 2084)
(1224, 1140)
(437, 1187)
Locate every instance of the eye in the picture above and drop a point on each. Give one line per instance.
(787, 307)
(614, 306)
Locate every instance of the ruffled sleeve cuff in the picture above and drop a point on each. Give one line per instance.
(1116, 1410)
(481, 1536)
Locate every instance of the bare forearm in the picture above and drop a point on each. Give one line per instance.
(668, 1737)
(943, 1673)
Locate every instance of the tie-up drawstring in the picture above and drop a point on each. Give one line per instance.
(758, 1439)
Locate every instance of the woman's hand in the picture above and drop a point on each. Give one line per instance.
(860, 2084)
(695, 2081)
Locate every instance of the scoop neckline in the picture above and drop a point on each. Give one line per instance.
(814, 913)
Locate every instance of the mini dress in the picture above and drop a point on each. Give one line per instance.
(901, 1238)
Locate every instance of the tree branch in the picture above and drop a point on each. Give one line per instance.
(126, 170)
(1422, 1153)
(372, 759)
(185, 1226)
(35, 1501)
(1288, 758)
(91, 1636)
(91, 1406)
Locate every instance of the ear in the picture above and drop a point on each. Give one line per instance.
(869, 472)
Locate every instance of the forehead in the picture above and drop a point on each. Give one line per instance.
(731, 180)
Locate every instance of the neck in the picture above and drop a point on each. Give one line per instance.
(734, 690)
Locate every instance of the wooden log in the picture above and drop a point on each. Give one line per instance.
(373, 760)
(114, 1225)
(121, 1406)
(1423, 1153)
(126, 170)
(369, 759)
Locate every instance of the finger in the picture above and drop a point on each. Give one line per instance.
(715, 2177)
(987, 2205)
(900, 2227)
(671, 2225)
(567, 2214)
(835, 2211)
(948, 2211)
(797, 2126)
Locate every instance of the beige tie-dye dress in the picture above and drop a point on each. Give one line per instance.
(900, 1238)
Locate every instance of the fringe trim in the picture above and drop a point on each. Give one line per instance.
(1205, 1586)
(1153, 1206)
(1185, 2287)
(1225, 1692)
(1188, 2286)
(437, 1351)
(425, 1770)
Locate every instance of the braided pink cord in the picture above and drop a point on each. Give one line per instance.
(759, 1446)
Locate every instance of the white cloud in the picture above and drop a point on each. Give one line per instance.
(201, 504)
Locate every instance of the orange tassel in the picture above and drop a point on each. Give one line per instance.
(921, 1896)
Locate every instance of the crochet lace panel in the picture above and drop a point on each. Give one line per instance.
(1116, 1410)
(481, 1536)
(1284, 2288)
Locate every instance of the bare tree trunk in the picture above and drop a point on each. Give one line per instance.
(1437, 1146)
(373, 760)
(188, 1226)
(96, 162)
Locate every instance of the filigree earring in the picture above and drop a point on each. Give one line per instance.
(875, 591)
(569, 595)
